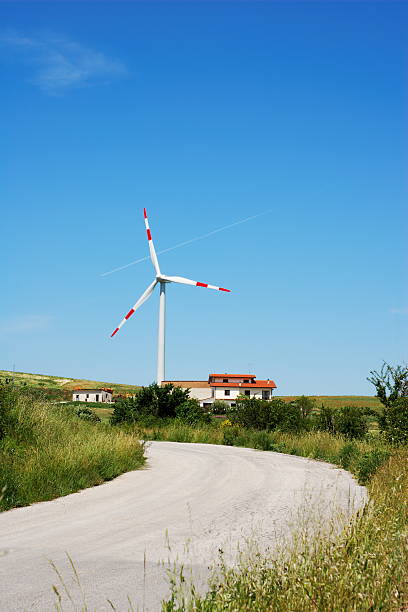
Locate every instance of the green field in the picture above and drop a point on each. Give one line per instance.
(336, 401)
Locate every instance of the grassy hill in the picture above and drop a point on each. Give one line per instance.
(43, 381)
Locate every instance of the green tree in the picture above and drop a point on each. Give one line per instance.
(351, 422)
(190, 412)
(324, 419)
(152, 401)
(306, 404)
(263, 414)
(397, 421)
(391, 383)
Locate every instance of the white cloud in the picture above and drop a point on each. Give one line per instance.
(401, 311)
(61, 64)
(25, 323)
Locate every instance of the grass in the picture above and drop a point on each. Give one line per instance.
(337, 401)
(44, 381)
(364, 569)
(46, 451)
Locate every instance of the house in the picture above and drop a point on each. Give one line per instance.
(226, 387)
(92, 395)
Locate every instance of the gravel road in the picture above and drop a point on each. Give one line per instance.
(189, 502)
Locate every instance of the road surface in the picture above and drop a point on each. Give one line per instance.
(188, 503)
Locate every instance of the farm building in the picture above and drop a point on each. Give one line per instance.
(92, 395)
(226, 387)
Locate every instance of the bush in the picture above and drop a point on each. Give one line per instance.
(324, 419)
(370, 462)
(350, 421)
(397, 421)
(154, 400)
(347, 454)
(191, 413)
(87, 415)
(268, 415)
(218, 407)
(306, 405)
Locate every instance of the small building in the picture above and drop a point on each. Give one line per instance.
(226, 388)
(92, 395)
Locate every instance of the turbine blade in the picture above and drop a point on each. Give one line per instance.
(188, 281)
(153, 255)
(145, 296)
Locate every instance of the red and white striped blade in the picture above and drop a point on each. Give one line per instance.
(188, 281)
(145, 296)
(152, 250)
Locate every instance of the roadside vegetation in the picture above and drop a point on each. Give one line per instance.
(365, 567)
(47, 451)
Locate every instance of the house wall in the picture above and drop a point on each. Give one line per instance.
(78, 396)
(201, 393)
(235, 391)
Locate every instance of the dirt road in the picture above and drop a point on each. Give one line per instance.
(190, 501)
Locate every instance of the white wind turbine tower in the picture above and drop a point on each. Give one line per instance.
(162, 279)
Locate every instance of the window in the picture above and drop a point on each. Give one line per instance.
(225, 380)
(227, 392)
(97, 397)
(247, 392)
(233, 404)
(87, 395)
(246, 380)
(265, 395)
(77, 397)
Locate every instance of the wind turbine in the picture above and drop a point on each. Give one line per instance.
(161, 279)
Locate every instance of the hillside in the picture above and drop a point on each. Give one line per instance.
(43, 381)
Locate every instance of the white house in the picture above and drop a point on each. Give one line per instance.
(92, 395)
(226, 387)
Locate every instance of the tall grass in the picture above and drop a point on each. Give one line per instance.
(364, 569)
(46, 452)
(361, 457)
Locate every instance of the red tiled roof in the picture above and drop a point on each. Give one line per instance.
(270, 384)
(188, 384)
(233, 375)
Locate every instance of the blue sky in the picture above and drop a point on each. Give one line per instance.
(206, 113)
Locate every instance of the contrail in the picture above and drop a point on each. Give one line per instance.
(181, 244)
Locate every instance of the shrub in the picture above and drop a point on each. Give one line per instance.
(87, 415)
(369, 463)
(218, 407)
(154, 400)
(347, 454)
(397, 421)
(324, 419)
(269, 415)
(306, 405)
(351, 422)
(191, 413)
